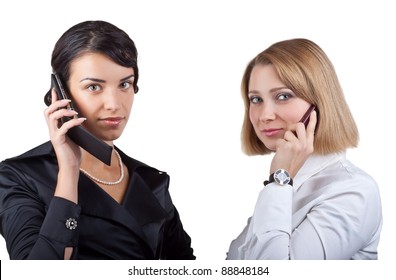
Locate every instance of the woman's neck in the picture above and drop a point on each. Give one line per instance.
(99, 169)
(112, 179)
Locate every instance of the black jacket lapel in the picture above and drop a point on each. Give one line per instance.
(141, 203)
(140, 209)
(96, 202)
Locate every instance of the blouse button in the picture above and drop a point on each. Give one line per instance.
(71, 223)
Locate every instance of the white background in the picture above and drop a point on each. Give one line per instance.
(188, 113)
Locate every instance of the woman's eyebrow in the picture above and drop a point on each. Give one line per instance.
(128, 77)
(277, 89)
(103, 81)
(93, 79)
(253, 91)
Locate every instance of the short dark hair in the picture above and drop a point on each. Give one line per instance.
(93, 37)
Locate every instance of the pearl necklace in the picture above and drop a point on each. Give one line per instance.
(106, 182)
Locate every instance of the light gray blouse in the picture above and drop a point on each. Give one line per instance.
(333, 211)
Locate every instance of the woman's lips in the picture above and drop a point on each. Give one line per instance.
(112, 122)
(272, 132)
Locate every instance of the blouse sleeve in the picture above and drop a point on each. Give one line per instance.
(32, 230)
(268, 233)
(337, 226)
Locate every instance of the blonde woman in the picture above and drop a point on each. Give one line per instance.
(315, 204)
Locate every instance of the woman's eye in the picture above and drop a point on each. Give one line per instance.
(94, 87)
(125, 85)
(255, 99)
(284, 96)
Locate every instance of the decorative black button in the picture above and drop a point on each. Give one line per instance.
(71, 223)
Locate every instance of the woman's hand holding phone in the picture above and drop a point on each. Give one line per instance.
(295, 147)
(67, 152)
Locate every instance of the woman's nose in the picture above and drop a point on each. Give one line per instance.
(267, 113)
(111, 100)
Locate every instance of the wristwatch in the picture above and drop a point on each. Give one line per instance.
(281, 177)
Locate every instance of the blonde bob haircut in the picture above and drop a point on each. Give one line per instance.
(306, 70)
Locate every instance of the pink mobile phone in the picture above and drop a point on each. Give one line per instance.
(305, 118)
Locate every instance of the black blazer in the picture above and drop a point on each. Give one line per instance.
(145, 225)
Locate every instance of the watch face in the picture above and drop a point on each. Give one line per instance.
(282, 177)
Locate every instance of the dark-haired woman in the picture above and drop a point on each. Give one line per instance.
(57, 201)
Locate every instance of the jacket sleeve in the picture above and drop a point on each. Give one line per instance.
(32, 229)
(176, 243)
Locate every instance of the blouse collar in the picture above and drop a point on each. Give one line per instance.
(314, 164)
